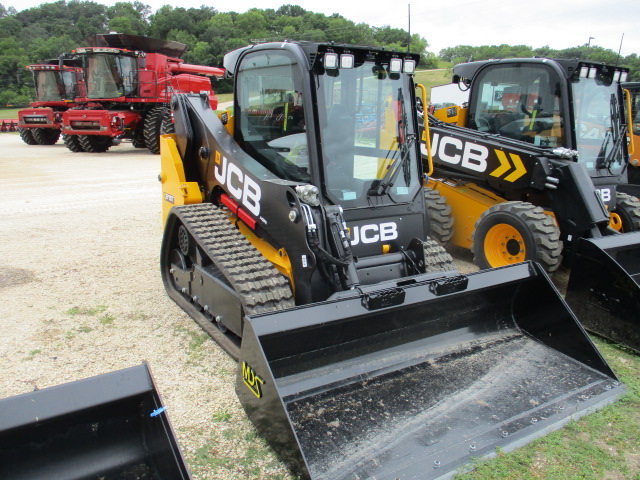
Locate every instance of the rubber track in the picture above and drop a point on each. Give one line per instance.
(259, 285)
(436, 257)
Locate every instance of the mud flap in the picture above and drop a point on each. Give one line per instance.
(416, 387)
(604, 287)
(112, 426)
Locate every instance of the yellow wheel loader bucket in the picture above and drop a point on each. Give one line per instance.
(411, 379)
(604, 287)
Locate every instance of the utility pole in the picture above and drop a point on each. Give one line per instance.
(409, 41)
(589, 46)
(620, 49)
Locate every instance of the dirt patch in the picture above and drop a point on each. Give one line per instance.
(12, 276)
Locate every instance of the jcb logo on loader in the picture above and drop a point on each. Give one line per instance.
(252, 379)
(239, 185)
(453, 150)
(476, 157)
(374, 233)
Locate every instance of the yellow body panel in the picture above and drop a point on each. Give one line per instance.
(175, 188)
(278, 257)
(467, 201)
(177, 191)
(454, 114)
(227, 118)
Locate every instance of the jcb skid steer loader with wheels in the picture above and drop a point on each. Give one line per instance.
(533, 166)
(294, 236)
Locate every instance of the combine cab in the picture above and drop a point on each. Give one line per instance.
(296, 236)
(57, 82)
(129, 83)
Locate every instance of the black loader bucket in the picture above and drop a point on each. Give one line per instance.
(109, 427)
(412, 381)
(604, 287)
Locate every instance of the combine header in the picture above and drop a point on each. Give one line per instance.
(8, 125)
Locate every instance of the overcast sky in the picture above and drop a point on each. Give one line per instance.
(447, 23)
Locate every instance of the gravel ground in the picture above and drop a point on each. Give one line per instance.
(81, 295)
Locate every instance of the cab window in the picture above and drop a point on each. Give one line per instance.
(521, 102)
(270, 114)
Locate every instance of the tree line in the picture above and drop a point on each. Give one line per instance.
(466, 53)
(46, 31)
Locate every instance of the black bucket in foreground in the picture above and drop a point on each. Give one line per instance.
(604, 287)
(414, 391)
(109, 427)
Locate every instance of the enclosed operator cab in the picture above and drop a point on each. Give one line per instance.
(109, 72)
(554, 103)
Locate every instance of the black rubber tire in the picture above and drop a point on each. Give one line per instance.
(167, 124)
(138, 140)
(26, 134)
(153, 127)
(95, 143)
(440, 226)
(46, 136)
(628, 208)
(513, 232)
(436, 257)
(73, 143)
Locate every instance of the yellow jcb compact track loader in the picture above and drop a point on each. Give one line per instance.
(295, 235)
(534, 166)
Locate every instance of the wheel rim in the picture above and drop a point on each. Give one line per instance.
(504, 245)
(615, 221)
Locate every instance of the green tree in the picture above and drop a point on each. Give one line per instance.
(130, 18)
(168, 18)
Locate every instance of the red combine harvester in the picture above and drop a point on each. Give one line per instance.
(129, 82)
(57, 83)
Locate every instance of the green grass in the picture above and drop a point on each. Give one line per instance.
(9, 113)
(601, 446)
(251, 458)
(224, 97)
(88, 311)
(33, 353)
(430, 78)
(604, 445)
